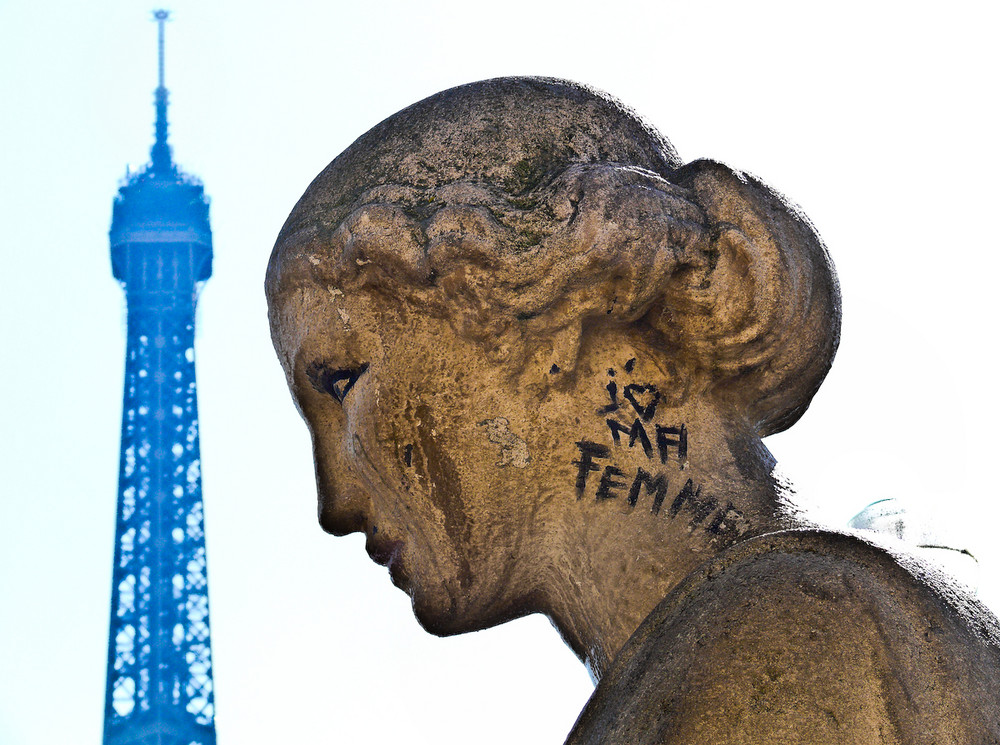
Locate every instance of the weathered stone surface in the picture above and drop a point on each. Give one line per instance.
(537, 354)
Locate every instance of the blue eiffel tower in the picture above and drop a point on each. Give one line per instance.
(159, 683)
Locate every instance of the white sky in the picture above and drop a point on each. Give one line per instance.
(878, 118)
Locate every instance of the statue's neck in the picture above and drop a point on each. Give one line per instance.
(646, 525)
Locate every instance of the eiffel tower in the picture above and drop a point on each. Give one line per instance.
(159, 682)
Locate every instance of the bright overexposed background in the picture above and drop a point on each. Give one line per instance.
(879, 119)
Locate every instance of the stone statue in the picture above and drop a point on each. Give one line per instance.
(537, 354)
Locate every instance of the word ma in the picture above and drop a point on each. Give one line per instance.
(666, 438)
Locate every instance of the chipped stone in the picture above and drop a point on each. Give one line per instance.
(513, 449)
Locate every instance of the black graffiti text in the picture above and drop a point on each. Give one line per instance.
(667, 439)
(720, 519)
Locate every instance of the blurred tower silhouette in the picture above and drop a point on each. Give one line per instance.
(159, 682)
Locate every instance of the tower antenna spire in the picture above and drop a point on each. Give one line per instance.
(161, 150)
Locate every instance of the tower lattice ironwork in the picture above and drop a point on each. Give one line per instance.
(159, 682)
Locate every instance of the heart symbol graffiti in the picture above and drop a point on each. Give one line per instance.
(643, 398)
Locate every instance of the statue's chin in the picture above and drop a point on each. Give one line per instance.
(441, 614)
(437, 613)
(434, 610)
(435, 624)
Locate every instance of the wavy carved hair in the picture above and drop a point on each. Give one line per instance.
(519, 207)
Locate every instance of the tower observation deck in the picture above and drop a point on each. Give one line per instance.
(159, 679)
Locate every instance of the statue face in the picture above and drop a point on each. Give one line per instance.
(416, 443)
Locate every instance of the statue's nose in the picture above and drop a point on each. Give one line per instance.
(338, 513)
(339, 506)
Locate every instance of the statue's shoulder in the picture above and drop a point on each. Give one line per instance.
(805, 636)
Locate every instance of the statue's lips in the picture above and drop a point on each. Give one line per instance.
(389, 555)
(383, 552)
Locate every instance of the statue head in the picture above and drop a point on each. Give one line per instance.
(509, 273)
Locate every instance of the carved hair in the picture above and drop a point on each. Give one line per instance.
(520, 207)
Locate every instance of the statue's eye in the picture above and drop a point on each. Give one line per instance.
(336, 382)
